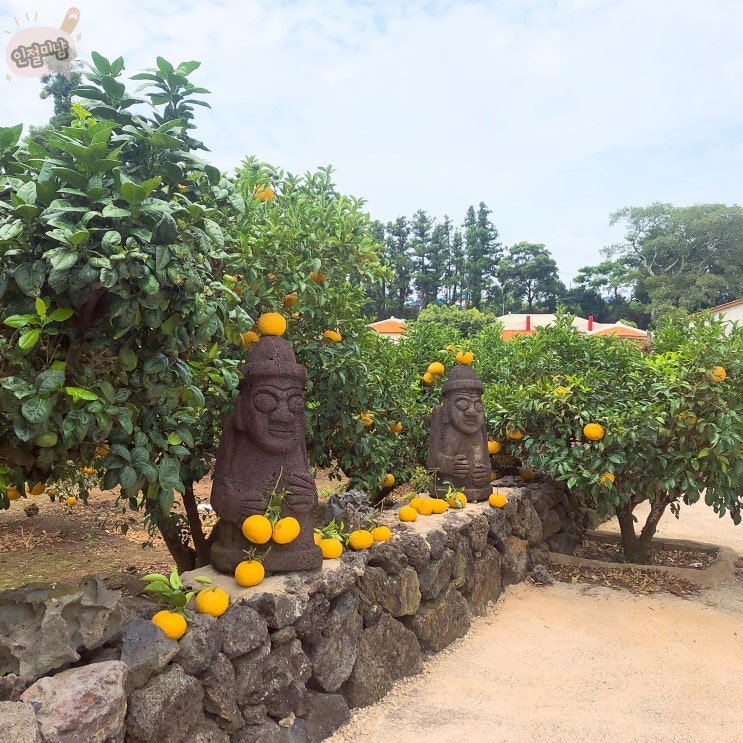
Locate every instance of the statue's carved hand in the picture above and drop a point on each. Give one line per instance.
(480, 475)
(302, 491)
(461, 466)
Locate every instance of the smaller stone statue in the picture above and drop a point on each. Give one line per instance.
(262, 451)
(458, 441)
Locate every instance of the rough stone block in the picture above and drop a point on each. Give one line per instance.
(220, 693)
(146, 650)
(199, 646)
(476, 532)
(487, 584)
(436, 575)
(18, 723)
(325, 714)
(441, 621)
(243, 630)
(514, 562)
(403, 593)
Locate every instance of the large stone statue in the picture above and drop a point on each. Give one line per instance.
(458, 441)
(262, 451)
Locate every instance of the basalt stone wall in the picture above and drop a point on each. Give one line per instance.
(291, 656)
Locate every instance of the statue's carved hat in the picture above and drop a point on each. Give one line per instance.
(272, 356)
(463, 377)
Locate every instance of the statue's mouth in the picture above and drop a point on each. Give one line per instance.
(280, 431)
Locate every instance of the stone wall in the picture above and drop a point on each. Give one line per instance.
(291, 656)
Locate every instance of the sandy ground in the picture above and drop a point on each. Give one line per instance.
(578, 663)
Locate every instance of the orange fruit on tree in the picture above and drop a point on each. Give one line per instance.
(257, 529)
(395, 427)
(497, 500)
(465, 357)
(515, 433)
(71, 501)
(13, 493)
(687, 417)
(249, 573)
(436, 369)
(367, 419)
(318, 277)
(171, 623)
(381, 533)
(331, 548)
(718, 374)
(271, 323)
(332, 335)
(289, 300)
(493, 447)
(286, 530)
(439, 505)
(407, 513)
(360, 539)
(213, 601)
(607, 478)
(560, 392)
(37, 489)
(387, 481)
(429, 379)
(594, 431)
(249, 337)
(263, 193)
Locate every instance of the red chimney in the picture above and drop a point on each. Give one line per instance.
(590, 322)
(528, 322)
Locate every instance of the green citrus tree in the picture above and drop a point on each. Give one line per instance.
(627, 425)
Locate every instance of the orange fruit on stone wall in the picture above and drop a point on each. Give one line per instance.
(497, 500)
(331, 548)
(360, 539)
(257, 529)
(436, 369)
(718, 374)
(286, 530)
(249, 573)
(424, 506)
(457, 500)
(171, 623)
(212, 601)
(271, 323)
(381, 533)
(439, 505)
(407, 513)
(465, 357)
(594, 431)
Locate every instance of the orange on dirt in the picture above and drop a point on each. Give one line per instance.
(497, 500)
(439, 505)
(332, 335)
(465, 357)
(318, 277)
(381, 533)
(493, 447)
(212, 601)
(360, 539)
(171, 623)
(594, 431)
(718, 374)
(263, 193)
(13, 493)
(331, 548)
(407, 513)
(286, 530)
(436, 369)
(515, 433)
(289, 300)
(607, 479)
(257, 529)
(271, 323)
(387, 481)
(249, 337)
(249, 573)
(37, 489)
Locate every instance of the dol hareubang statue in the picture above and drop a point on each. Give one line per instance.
(458, 441)
(262, 451)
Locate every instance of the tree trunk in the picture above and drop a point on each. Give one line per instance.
(637, 548)
(183, 555)
(202, 547)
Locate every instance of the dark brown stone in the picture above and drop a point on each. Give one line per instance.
(262, 452)
(220, 694)
(436, 576)
(487, 584)
(325, 714)
(243, 630)
(441, 621)
(458, 441)
(476, 532)
(515, 565)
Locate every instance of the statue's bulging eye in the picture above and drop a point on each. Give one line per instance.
(265, 402)
(478, 407)
(296, 404)
(462, 404)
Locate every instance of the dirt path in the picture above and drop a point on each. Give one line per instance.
(579, 663)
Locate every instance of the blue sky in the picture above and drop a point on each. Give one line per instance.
(555, 113)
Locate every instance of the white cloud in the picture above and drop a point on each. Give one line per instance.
(554, 113)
